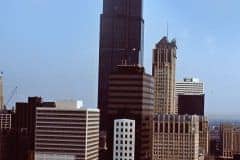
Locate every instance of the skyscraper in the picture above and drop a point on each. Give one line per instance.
(163, 70)
(131, 97)
(190, 96)
(121, 42)
(1, 93)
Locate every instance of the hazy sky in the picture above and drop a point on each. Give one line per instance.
(49, 48)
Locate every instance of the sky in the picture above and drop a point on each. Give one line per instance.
(49, 48)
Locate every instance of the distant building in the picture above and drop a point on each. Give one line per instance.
(163, 70)
(25, 125)
(190, 97)
(124, 139)
(6, 120)
(7, 135)
(1, 93)
(176, 137)
(131, 96)
(230, 141)
(66, 132)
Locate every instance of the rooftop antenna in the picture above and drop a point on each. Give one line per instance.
(167, 29)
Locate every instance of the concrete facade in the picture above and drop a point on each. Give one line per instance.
(163, 71)
(68, 132)
(176, 137)
(124, 139)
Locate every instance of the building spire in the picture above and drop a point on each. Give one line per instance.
(167, 29)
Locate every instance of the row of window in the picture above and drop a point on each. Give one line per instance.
(121, 142)
(126, 136)
(122, 124)
(125, 154)
(126, 130)
(121, 148)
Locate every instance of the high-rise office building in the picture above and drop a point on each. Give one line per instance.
(190, 101)
(66, 132)
(176, 137)
(131, 96)
(163, 70)
(1, 93)
(121, 42)
(124, 139)
(190, 96)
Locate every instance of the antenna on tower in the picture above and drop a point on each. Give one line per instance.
(167, 29)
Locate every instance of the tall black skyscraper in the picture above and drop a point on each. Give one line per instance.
(121, 42)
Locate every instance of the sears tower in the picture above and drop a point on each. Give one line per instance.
(121, 42)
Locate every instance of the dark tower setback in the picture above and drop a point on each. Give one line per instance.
(121, 42)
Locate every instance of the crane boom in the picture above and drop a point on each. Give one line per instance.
(12, 94)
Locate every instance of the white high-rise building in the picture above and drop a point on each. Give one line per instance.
(124, 139)
(190, 86)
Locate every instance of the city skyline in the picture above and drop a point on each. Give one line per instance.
(65, 77)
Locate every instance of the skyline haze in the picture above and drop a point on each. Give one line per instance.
(51, 48)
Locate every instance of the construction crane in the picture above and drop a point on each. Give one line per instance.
(12, 94)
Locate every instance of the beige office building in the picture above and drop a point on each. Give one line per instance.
(163, 70)
(67, 132)
(176, 137)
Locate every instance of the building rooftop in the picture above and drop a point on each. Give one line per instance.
(164, 41)
(70, 105)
